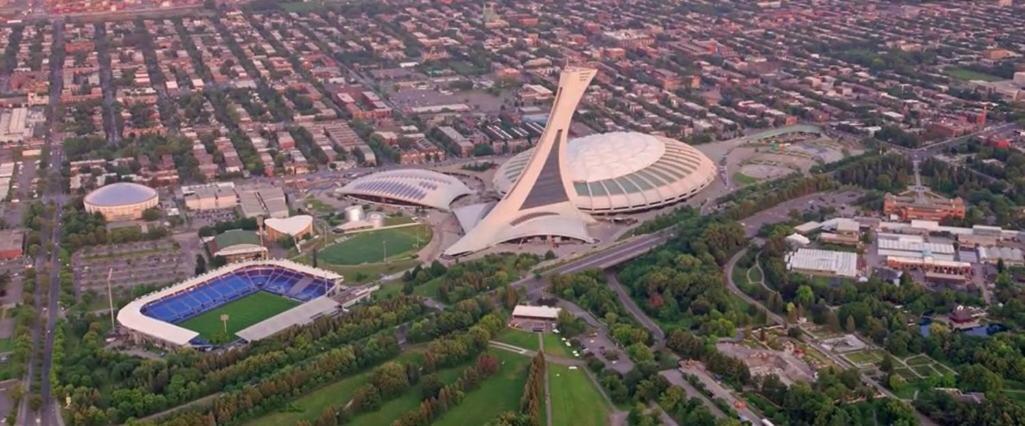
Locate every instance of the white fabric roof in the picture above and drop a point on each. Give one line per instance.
(292, 226)
(536, 311)
(299, 315)
(415, 186)
(131, 315)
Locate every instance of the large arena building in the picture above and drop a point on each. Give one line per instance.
(121, 201)
(408, 187)
(283, 294)
(624, 172)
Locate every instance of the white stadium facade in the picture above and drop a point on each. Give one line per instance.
(121, 201)
(155, 317)
(408, 186)
(623, 172)
(540, 203)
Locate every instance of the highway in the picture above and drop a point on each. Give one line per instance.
(601, 259)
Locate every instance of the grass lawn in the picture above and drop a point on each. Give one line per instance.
(242, 313)
(967, 75)
(370, 271)
(397, 220)
(309, 406)
(924, 370)
(392, 409)
(523, 339)
(918, 360)
(555, 346)
(319, 207)
(428, 289)
(498, 394)
(864, 357)
(6, 345)
(743, 179)
(578, 402)
(907, 374)
(370, 247)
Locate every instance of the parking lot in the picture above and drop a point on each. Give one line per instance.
(131, 264)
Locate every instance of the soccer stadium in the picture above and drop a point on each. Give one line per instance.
(246, 300)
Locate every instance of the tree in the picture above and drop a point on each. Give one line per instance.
(200, 264)
(151, 214)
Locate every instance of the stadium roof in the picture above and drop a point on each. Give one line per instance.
(299, 315)
(292, 226)
(413, 186)
(624, 171)
(131, 315)
(119, 194)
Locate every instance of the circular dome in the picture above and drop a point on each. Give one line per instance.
(610, 155)
(121, 201)
(623, 172)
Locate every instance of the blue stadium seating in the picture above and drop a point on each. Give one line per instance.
(233, 286)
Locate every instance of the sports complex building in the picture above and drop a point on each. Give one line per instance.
(261, 298)
(623, 172)
(416, 187)
(121, 201)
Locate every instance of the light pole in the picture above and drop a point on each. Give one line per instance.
(224, 319)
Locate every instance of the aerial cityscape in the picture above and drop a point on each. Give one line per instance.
(512, 213)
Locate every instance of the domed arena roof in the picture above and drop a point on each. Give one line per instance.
(120, 194)
(622, 172)
(408, 186)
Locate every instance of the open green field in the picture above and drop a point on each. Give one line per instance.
(242, 313)
(555, 346)
(498, 393)
(520, 338)
(743, 179)
(575, 401)
(392, 409)
(309, 406)
(370, 247)
(968, 75)
(863, 358)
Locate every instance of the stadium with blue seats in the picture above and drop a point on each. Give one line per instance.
(236, 284)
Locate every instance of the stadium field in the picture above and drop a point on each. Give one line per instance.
(369, 247)
(242, 313)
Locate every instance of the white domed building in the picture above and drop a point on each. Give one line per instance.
(624, 172)
(121, 201)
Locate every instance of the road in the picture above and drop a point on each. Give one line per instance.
(777, 319)
(601, 259)
(675, 377)
(636, 311)
(50, 415)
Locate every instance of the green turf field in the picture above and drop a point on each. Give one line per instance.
(578, 402)
(242, 313)
(496, 395)
(369, 247)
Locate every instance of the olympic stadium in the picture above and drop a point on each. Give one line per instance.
(624, 172)
(245, 301)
